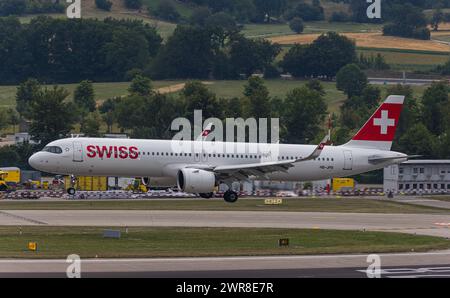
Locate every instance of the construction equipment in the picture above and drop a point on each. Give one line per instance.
(3, 185)
(137, 186)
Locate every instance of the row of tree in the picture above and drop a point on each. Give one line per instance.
(19, 7)
(145, 113)
(60, 51)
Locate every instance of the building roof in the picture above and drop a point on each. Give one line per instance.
(427, 162)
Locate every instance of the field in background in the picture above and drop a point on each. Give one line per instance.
(409, 60)
(223, 89)
(372, 40)
(266, 30)
(87, 242)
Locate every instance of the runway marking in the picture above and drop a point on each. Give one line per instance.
(443, 224)
(261, 258)
(23, 218)
(413, 272)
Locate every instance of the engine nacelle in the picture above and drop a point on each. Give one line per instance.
(196, 181)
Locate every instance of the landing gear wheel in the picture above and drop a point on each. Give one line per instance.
(230, 196)
(208, 195)
(71, 191)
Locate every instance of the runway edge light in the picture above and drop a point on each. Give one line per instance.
(32, 246)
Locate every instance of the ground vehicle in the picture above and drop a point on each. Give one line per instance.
(343, 184)
(3, 185)
(137, 186)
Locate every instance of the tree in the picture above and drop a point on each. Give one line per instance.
(84, 97)
(91, 124)
(407, 20)
(12, 7)
(141, 86)
(314, 84)
(13, 118)
(307, 12)
(8, 156)
(148, 117)
(418, 140)
(199, 16)
(133, 4)
(128, 50)
(222, 26)
(3, 119)
(196, 96)
(25, 95)
(51, 116)
(103, 4)
(410, 113)
(248, 56)
(438, 17)
(303, 115)
(296, 25)
(108, 110)
(324, 57)
(166, 11)
(188, 53)
(351, 80)
(434, 102)
(257, 99)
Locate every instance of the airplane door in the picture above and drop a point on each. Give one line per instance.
(77, 152)
(348, 160)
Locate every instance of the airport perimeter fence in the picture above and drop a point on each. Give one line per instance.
(128, 195)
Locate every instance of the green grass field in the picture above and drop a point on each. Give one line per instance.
(58, 242)
(266, 30)
(446, 199)
(102, 90)
(409, 60)
(348, 205)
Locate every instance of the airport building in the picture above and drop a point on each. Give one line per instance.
(419, 176)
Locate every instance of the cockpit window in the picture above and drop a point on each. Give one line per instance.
(53, 149)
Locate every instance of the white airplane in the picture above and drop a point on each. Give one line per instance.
(200, 172)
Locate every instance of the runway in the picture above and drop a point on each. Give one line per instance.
(436, 264)
(423, 224)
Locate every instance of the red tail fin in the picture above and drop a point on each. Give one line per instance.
(379, 130)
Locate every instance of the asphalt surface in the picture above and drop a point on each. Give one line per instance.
(395, 81)
(423, 224)
(436, 264)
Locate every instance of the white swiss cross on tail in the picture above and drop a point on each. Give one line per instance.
(384, 122)
(379, 130)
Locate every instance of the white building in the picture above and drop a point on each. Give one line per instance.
(427, 176)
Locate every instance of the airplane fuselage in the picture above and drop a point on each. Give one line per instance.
(156, 158)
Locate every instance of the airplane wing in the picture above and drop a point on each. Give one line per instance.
(244, 171)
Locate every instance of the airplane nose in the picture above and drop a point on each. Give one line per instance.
(33, 161)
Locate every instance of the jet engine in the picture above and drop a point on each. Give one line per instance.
(196, 181)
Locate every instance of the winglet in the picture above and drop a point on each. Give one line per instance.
(205, 133)
(316, 153)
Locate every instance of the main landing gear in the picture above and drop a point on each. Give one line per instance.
(230, 196)
(71, 190)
